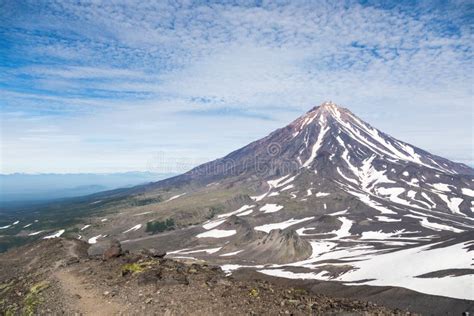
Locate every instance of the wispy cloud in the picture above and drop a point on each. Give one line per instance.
(149, 73)
(226, 111)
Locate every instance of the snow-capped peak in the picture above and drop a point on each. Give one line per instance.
(320, 127)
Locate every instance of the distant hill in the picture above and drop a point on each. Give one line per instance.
(21, 187)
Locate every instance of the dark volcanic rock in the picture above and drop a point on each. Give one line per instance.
(72, 260)
(153, 253)
(114, 250)
(106, 249)
(152, 276)
(279, 246)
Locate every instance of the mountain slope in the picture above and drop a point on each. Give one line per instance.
(327, 197)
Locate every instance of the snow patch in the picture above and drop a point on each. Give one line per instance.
(291, 186)
(245, 213)
(271, 208)
(281, 184)
(433, 204)
(343, 231)
(217, 233)
(209, 251)
(243, 208)
(36, 233)
(55, 235)
(317, 144)
(322, 194)
(85, 227)
(175, 197)
(394, 195)
(213, 224)
(323, 275)
(387, 219)
(144, 213)
(93, 240)
(468, 192)
(231, 253)
(134, 228)
(441, 187)
(282, 225)
(380, 234)
(339, 213)
(259, 197)
(375, 267)
(434, 226)
(414, 262)
(228, 268)
(453, 203)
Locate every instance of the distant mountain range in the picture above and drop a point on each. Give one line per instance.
(22, 187)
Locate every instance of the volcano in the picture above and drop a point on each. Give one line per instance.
(328, 197)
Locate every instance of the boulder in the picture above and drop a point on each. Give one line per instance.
(152, 276)
(113, 251)
(153, 253)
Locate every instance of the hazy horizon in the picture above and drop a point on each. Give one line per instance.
(20, 187)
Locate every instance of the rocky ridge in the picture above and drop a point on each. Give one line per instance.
(58, 277)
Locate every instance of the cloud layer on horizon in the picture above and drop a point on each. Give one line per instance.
(104, 86)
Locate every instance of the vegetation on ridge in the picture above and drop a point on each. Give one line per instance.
(160, 226)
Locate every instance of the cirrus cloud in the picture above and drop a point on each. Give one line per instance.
(164, 77)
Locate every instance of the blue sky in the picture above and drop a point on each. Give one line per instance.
(109, 86)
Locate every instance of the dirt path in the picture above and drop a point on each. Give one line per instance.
(85, 298)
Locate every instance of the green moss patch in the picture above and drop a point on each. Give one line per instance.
(131, 268)
(33, 299)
